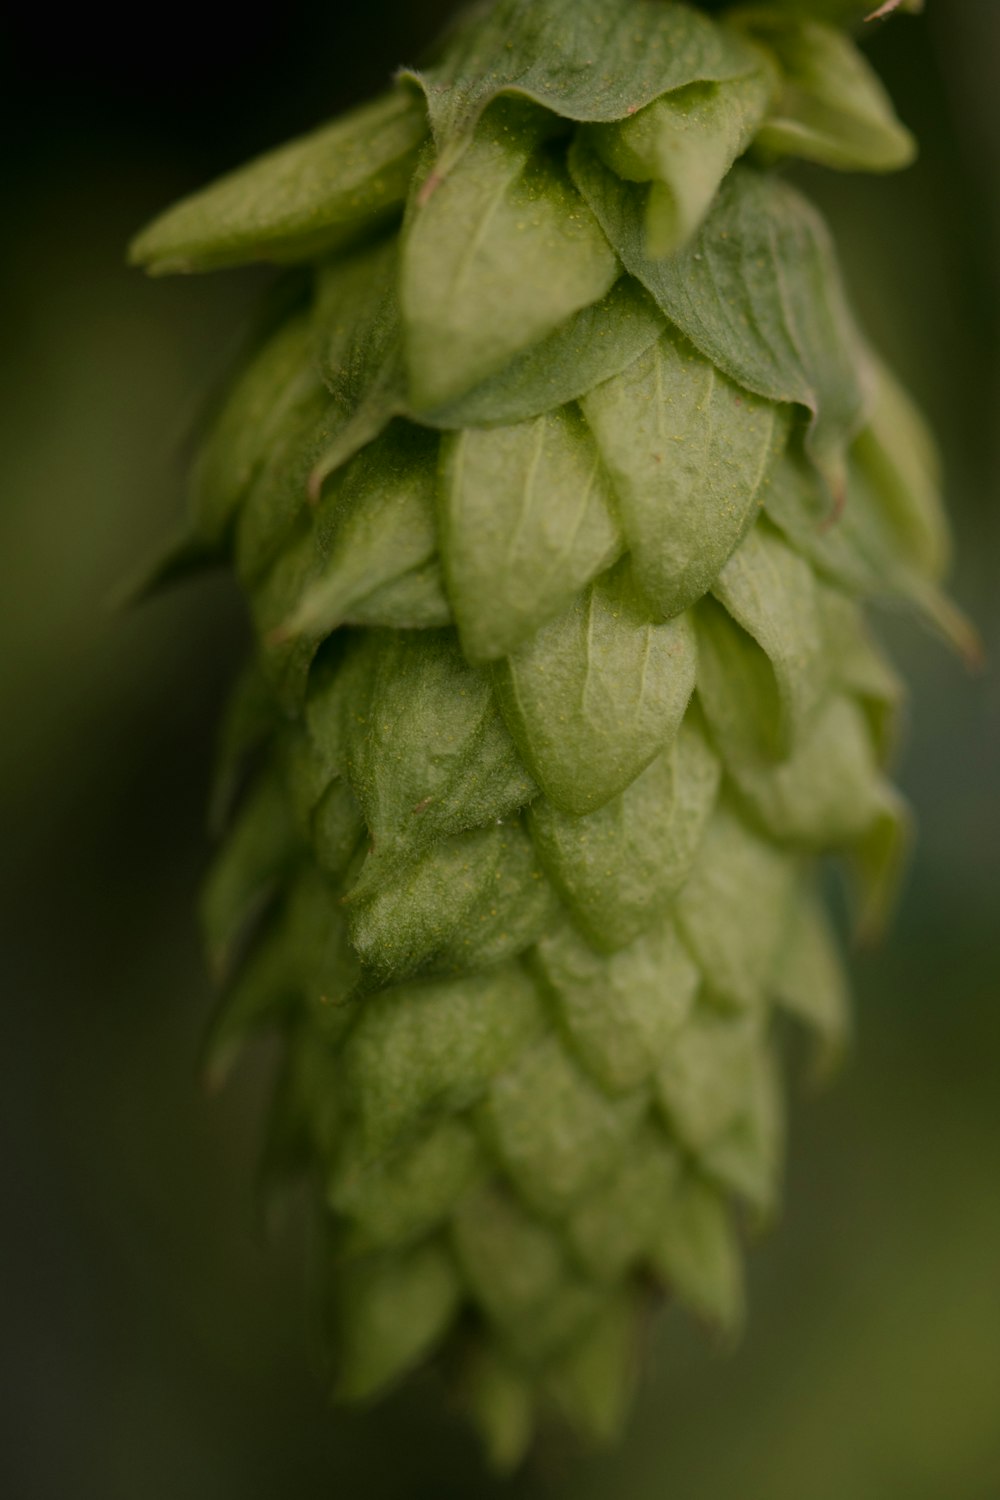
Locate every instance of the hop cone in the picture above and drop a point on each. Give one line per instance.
(557, 492)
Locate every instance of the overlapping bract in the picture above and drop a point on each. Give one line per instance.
(555, 507)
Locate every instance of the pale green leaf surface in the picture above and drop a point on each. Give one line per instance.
(583, 59)
(597, 694)
(809, 981)
(861, 549)
(829, 791)
(553, 1129)
(613, 1229)
(392, 1310)
(737, 690)
(697, 1253)
(339, 689)
(500, 1402)
(706, 1077)
(470, 900)
(683, 144)
(359, 346)
(526, 521)
(276, 500)
(831, 107)
(900, 460)
(733, 909)
(373, 530)
(618, 867)
(421, 1050)
(502, 253)
(687, 452)
(770, 591)
(619, 1011)
(748, 1157)
(401, 1197)
(521, 1276)
(416, 600)
(757, 291)
(592, 1382)
(262, 407)
(433, 756)
(591, 346)
(878, 859)
(302, 200)
(860, 667)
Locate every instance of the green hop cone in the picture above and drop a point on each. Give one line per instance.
(557, 496)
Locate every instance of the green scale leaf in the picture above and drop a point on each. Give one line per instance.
(433, 756)
(863, 552)
(593, 1381)
(422, 1050)
(300, 201)
(619, 1012)
(617, 868)
(761, 664)
(757, 291)
(390, 1312)
(748, 1157)
(556, 1132)
(359, 350)
(521, 1275)
(526, 521)
(262, 409)
(596, 343)
(829, 792)
(831, 107)
(501, 1404)
(615, 1229)
(687, 452)
(372, 544)
(683, 144)
(469, 901)
(496, 258)
(734, 909)
(809, 980)
(697, 1252)
(582, 59)
(705, 1079)
(405, 1195)
(598, 693)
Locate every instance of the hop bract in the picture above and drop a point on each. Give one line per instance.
(557, 495)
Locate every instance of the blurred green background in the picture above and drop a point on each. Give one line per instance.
(158, 1342)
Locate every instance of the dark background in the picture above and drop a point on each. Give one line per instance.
(157, 1342)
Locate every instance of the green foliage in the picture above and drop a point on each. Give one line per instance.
(298, 202)
(495, 258)
(831, 107)
(557, 497)
(527, 520)
(582, 59)
(598, 693)
(756, 291)
(687, 451)
(683, 144)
